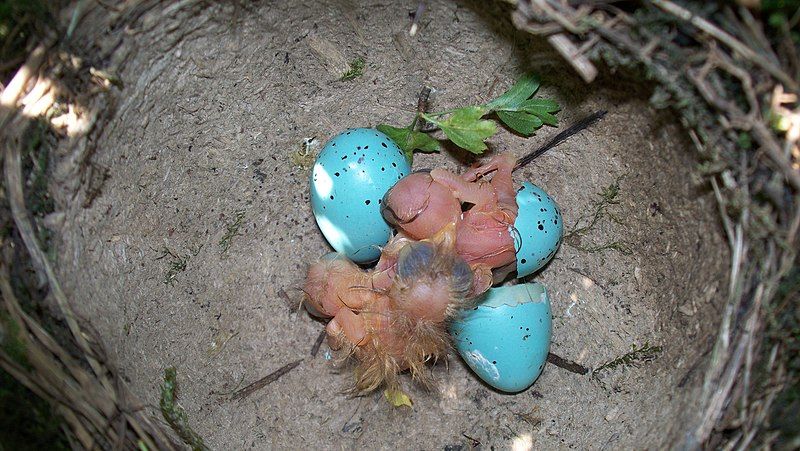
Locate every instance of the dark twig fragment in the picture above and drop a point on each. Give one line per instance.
(266, 380)
(318, 343)
(568, 365)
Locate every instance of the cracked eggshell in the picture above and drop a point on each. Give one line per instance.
(506, 338)
(538, 229)
(351, 174)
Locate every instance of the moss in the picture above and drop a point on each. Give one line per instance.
(19, 22)
(637, 355)
(27, 422)
(10, 341)
(231, 231)
(176, 265)
(174, 414)
(356, 70)
(607, 197)
(36, 162)
(783, 330)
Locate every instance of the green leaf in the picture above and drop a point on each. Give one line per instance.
(410, 140)
(466, 128)
(520, 121)
(521, 113)
(521, 91)
(547, 118)
(546, 105)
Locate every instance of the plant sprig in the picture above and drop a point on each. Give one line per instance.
(468, 128)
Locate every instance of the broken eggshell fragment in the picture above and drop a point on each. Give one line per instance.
(506, 338)
(537, 230)
(349, 179)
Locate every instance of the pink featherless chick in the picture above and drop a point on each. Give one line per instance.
(483, 211)
(393, 318)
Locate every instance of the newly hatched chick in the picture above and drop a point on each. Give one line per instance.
(484, 211)
(393, 318)
(423, 203)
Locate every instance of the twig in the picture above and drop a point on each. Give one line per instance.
(266, 380)
(568, 365)
(715, 407)
(574, 56)
(728, 40)
(318, 343)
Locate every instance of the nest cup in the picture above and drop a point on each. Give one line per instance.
(185, 221)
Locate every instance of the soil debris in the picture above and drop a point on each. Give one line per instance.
(232, 231)
(318, 343)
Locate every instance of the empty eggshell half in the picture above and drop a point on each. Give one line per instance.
(537, 230)
(505, 340)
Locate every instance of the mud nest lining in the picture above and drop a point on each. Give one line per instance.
(180, 225)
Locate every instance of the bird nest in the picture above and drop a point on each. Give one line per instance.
(728, 72)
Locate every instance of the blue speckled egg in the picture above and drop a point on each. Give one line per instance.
(350, 176)
(538, 229)
(505, 340)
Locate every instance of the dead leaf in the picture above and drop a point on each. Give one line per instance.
(398, 398)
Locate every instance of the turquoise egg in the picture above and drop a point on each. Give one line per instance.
(537, 230)
(506, 338)
(350, 176)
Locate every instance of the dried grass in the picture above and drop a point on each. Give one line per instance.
(729, 79)
(85, 390)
